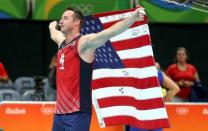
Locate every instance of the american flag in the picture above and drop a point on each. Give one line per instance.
(125, 88)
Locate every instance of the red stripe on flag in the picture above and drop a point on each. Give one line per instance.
(132, 43)
(139, 63)
(112, 13)
(115, 12)
(145, 124)
(120, 81)
(130, 101)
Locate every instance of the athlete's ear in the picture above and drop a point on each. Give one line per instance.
(77, 22)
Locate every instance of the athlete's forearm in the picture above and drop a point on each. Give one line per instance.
(126, 23)
(56, 35)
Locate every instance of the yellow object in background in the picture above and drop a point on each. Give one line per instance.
(164, 92)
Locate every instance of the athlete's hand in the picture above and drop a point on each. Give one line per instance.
(139, 13)
(53, 24)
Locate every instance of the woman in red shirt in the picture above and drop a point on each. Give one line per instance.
(184, 74)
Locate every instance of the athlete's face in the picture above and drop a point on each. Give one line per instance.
(67, 21)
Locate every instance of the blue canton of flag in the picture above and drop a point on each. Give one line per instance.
(105, 56)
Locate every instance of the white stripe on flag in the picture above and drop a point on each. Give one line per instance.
(116, 17)
(131, 33)
(97, 110)
(139, 94)
(141, 52)
(127, 72)
(159, 113)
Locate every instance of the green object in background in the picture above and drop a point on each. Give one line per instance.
(157, 10)
(1, 129)
(159, 14)
(13, 8)
(51, 10)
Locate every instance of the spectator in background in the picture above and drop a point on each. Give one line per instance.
(3, 73)
(52, 72)
(50, 93)
(172, 88)
(184, 74)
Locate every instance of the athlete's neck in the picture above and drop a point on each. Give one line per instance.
(70, 36)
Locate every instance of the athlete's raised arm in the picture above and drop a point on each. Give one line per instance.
(95, 40)
(56, 35)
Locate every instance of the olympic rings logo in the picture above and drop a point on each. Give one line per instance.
(47, 110)
(182, 110)
(85, 8)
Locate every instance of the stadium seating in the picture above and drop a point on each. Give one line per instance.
(9, 95)
(50, 93)
(22, 84)
(7, 85)
(28, 95)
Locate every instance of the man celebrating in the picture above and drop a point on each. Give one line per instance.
(74, 67)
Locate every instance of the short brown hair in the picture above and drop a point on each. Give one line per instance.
(77, 14)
